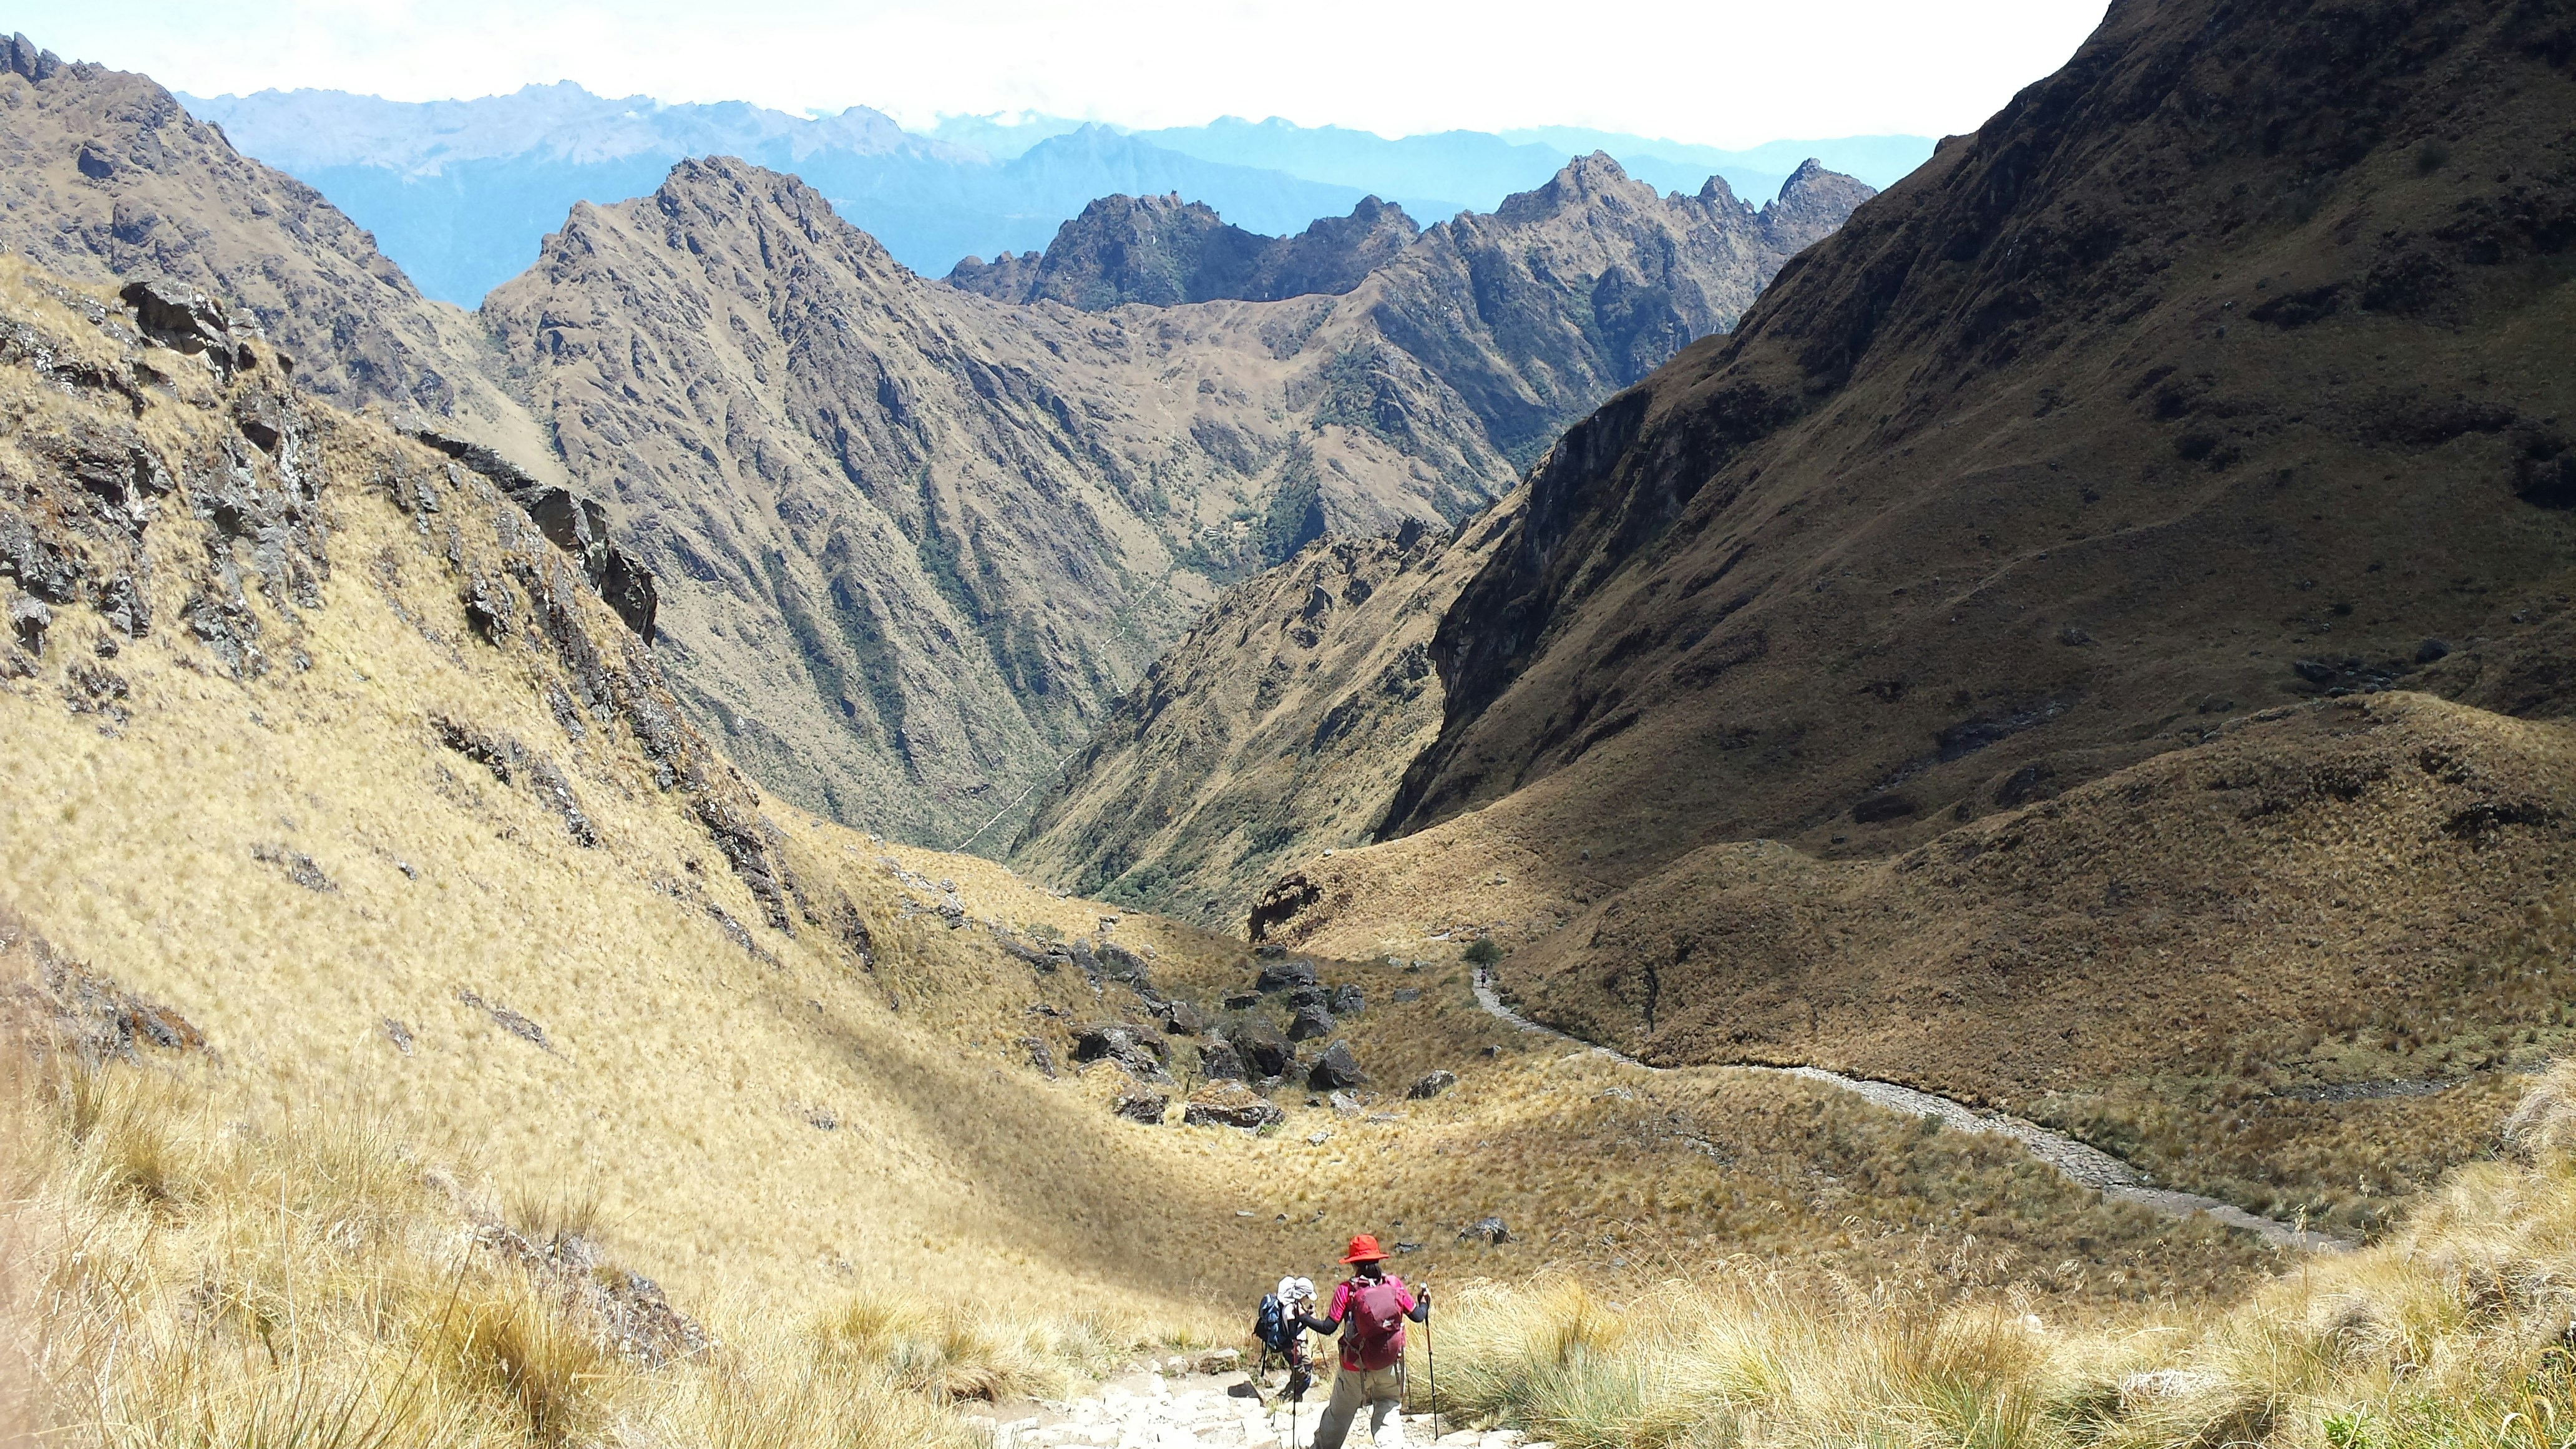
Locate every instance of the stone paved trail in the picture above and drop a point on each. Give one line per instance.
(2078, 1162)
(1172, 1408)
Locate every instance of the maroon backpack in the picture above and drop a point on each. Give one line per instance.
(1373, 1324)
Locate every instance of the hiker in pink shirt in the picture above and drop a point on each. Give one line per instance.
(1369, 1310)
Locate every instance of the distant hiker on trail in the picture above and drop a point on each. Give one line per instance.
(1281, 1328)
(1369, 1309)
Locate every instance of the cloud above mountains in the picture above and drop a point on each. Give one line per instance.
(1729, 73)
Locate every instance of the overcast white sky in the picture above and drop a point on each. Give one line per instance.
(1722, 72)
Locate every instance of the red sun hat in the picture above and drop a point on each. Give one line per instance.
(1364, 1249)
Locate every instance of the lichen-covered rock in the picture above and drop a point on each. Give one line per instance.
(1432, 1085)
(1138, 1104)
(1230, 1104)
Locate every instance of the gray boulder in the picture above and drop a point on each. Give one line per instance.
(1347, 1000)
(1285, 975)
(1432, 1086)
(1336, 1069)
(179, 316)
(1312, 1022)
(1229, 1104)
(1265, 1051)
(1136, 1104)
(1138, 1051)
(1219, 1061)
(1488, 1231)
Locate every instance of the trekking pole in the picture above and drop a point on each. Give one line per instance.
(1431, 1368)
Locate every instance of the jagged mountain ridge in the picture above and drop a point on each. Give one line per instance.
(940, 532)
(953, 663)
(2092, 479)
(954, 530)
(1161, 250)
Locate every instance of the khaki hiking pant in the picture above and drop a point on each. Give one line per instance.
(1380, 1390)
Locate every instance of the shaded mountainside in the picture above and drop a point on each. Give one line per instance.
(914, 542)
(1278, 725)
(1162, 250)
(2218, 373)
(2197, 377)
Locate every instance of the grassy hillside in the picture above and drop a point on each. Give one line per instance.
(490, 984)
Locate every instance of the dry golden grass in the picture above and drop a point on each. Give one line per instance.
(2454, 1332)
(213, 1280)
(846, 1169)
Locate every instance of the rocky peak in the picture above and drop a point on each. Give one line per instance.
(1582, 181)
(19, 56)
(1164, 251)
(1812, 203)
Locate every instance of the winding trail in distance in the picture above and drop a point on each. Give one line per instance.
(2078, 1162)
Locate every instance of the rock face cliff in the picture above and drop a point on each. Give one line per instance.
(914, 542)
(1162, 250)
(2097, 479)
(109, 179)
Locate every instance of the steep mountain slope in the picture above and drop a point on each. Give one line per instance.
(1280, 724)
(2218, 372)
(1161, 250)
(106, 176)
(360, 790)
(914, 542)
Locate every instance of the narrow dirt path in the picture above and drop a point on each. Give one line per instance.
(2076, 1161)
(1172, 1408)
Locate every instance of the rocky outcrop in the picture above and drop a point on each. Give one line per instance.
(161, 455)
(1162, 250)
(571, 522)
(69, 1008)
(104, 177)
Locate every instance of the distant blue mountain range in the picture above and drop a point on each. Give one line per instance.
(460, 192)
